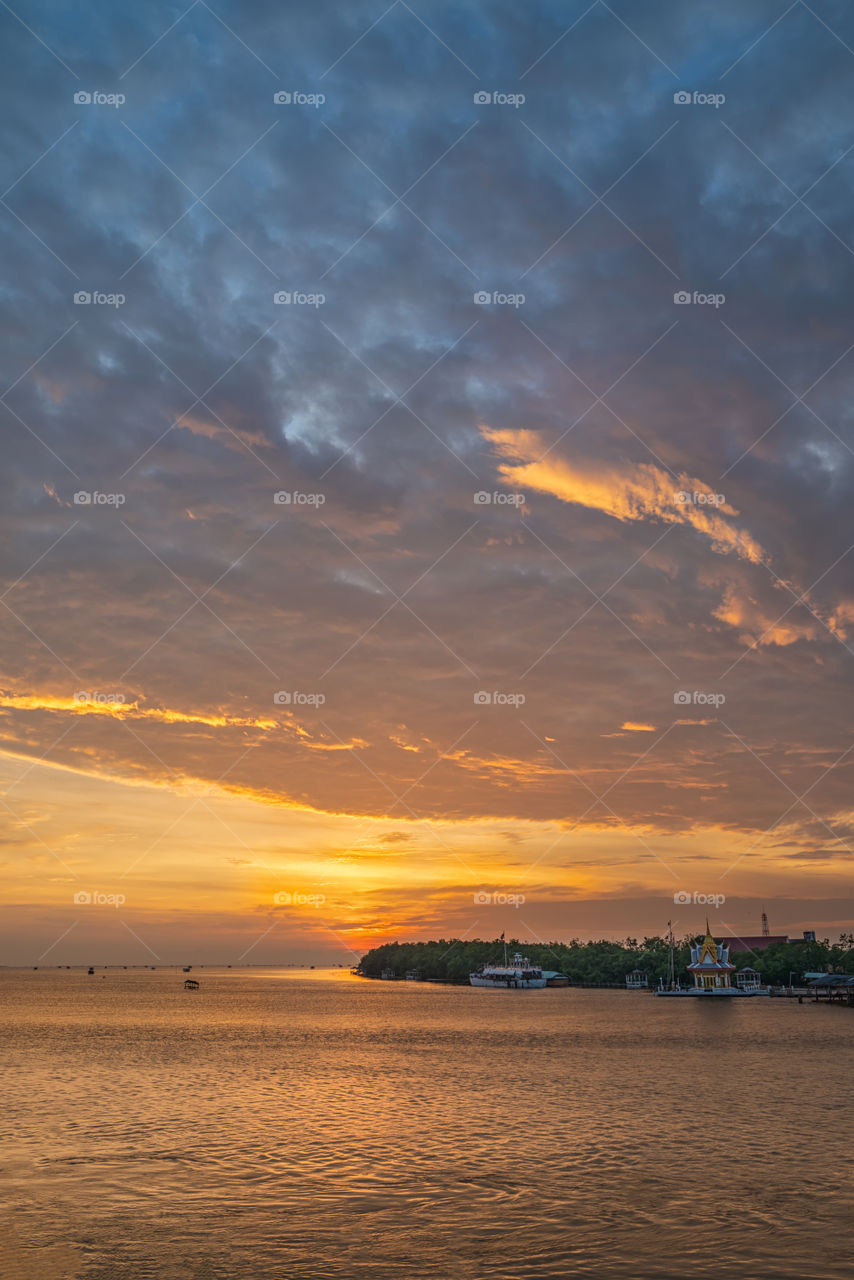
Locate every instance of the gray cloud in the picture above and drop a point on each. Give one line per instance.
(303, 399)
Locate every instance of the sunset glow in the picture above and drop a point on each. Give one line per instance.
(377, 559)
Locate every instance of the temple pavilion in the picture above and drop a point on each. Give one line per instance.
(710, 964)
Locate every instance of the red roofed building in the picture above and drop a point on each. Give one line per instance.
(751, 943)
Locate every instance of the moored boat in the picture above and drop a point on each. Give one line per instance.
(518, 974)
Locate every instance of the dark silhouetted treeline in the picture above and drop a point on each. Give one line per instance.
(452, 960)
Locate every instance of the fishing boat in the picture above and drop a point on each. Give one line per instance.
(519, 973)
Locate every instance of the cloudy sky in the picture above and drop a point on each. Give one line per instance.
(427, 474)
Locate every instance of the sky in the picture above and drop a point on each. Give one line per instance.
(427, 474)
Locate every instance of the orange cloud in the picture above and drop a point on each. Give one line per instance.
(630, 492)
(842, 618)
(504, 770)
(757, 627)
(218, 431)
(89, 704)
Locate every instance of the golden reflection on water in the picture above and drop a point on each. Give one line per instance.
(313, 1124)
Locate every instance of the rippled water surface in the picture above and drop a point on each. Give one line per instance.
(296, 1125)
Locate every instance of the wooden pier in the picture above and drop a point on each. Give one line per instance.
(833, 988)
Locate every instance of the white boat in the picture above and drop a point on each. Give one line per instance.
(519, 973)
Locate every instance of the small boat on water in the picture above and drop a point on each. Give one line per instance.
(516, 975)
